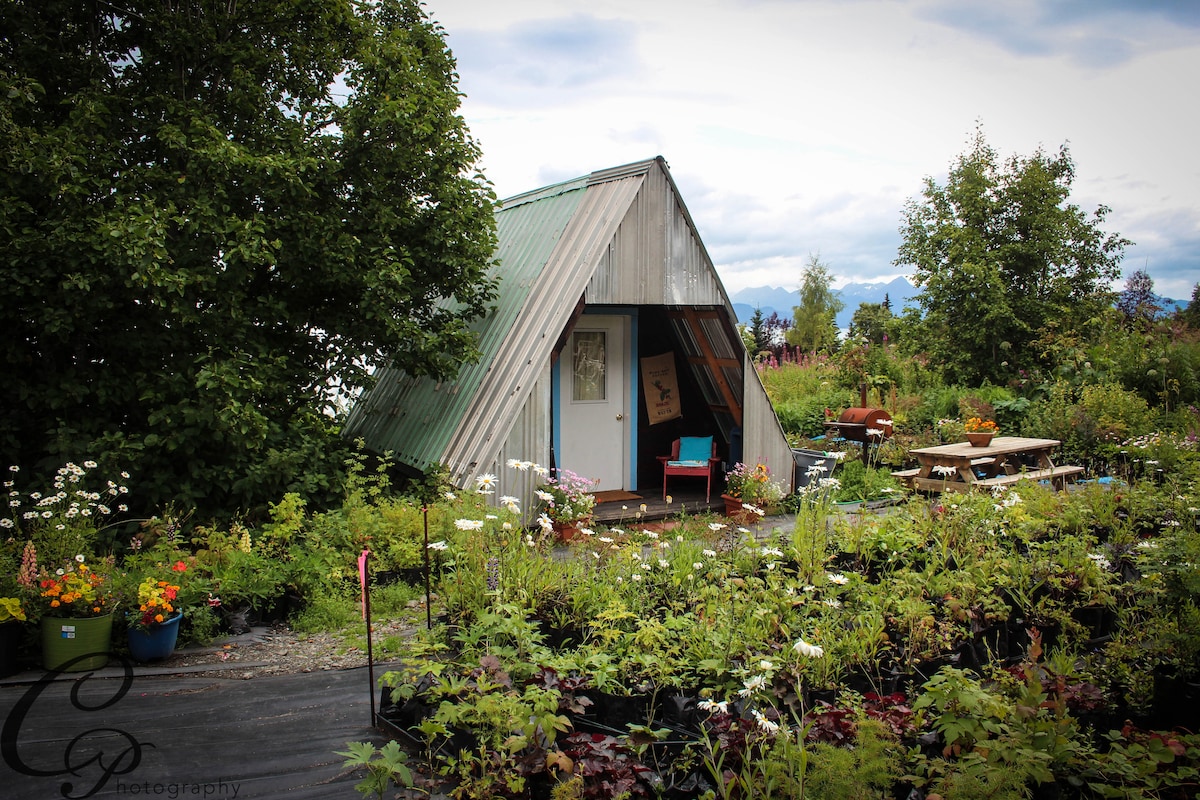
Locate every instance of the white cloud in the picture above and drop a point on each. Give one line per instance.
(802, 127)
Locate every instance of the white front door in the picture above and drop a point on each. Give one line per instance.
(593, 394)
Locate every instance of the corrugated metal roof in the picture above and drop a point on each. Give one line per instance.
(620, 236)
(560, 230)
(416, 418)
(529, 342)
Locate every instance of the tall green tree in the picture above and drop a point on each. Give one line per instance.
(218, 218)
(758, 331)
(1191, 314)
(814, 320)
(1003, 259)
(873, 322)
(1137, 301)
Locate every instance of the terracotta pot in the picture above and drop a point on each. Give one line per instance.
(980, 438)
(566, 532)
(734, 510)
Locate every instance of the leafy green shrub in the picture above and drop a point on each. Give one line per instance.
(860, 482)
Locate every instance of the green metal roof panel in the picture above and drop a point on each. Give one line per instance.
(415, 418)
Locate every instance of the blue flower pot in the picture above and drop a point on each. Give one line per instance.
(157, 641)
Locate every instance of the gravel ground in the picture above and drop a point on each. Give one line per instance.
(276, 650)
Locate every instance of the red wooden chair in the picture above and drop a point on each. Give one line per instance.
(691, 457)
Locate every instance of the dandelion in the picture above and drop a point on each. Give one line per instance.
(807, 649)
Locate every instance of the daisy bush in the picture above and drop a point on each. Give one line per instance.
(63, 519)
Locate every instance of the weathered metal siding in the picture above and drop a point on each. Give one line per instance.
(529, 440)
(416, 418)
(763, 439)
(527, 345)
(656, 258)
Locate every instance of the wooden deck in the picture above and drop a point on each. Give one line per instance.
(682, 502)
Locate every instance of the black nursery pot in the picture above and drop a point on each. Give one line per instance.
(618, 710)
(10, 644)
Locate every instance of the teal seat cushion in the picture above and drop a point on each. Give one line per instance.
(695, 448)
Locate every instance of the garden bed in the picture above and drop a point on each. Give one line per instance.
(1028, 642)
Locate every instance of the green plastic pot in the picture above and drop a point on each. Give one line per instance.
(65, 640)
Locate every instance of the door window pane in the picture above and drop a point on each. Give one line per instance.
(589, 366)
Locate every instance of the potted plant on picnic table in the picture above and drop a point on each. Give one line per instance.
(980, 431)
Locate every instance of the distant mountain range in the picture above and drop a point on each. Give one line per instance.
(898, 292)
(852, 295)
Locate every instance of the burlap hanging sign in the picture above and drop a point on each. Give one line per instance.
(661, 388)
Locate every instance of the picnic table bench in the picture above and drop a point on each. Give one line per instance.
(960, 466)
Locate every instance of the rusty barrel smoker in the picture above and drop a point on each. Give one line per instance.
(859, 425)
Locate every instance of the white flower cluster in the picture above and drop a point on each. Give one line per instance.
(66, 502)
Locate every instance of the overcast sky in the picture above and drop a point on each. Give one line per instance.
(802, 126)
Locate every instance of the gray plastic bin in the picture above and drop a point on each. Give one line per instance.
(805, 460)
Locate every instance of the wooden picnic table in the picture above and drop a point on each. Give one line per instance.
(960, 466)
